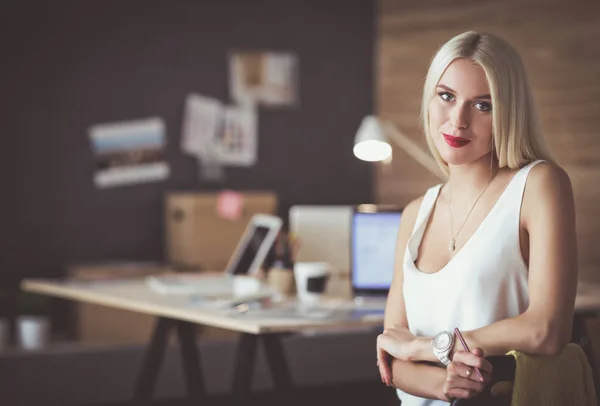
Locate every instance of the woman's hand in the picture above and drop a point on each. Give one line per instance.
(395, 342)
(399, 342)
(462, 381)
(384, 364)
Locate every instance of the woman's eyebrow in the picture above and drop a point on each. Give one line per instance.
(483, 96)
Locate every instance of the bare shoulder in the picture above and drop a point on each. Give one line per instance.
(548, 188)
(409, 214)
(548, 181)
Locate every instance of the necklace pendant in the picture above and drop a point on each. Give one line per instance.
(452, 245)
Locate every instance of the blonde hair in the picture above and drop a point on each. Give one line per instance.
(516, 134)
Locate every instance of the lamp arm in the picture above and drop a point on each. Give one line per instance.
(413, 149)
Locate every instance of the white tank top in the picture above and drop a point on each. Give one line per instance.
(486, 281)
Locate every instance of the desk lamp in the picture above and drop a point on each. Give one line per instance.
(371, 144)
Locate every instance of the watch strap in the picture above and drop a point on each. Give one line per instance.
(444, 356)
(445, 359)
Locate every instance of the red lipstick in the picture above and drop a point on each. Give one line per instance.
(455, 142)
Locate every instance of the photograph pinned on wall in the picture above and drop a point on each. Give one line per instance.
(218, 135)
(201, 118)
(265, 78)
(129, 152)
(236, 136)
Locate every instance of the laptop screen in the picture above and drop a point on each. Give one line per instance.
(373, 249)
(250, 250)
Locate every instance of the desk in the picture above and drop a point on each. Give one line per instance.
(177, 313)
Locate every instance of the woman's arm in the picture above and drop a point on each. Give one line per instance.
(417, 379)
(420, 379)
(548, 215)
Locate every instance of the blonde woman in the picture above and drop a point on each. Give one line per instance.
(493, 250)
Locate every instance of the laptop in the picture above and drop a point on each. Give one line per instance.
(324, 234)
(247, 258)
(373, 234)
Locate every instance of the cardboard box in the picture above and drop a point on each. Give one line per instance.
(106, 325)
(197, 237)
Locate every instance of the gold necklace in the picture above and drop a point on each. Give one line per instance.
(452, 245)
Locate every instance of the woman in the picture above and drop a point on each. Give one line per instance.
(493, 250)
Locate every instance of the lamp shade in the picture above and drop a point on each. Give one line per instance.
(370, 143)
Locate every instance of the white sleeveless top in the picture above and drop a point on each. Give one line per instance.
(486, 280)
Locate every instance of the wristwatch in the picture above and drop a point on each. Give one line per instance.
(442, 344)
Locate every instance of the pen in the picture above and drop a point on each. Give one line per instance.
(466, 347)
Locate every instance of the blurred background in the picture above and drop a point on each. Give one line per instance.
(71, 69)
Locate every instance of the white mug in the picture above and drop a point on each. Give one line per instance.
(311, 280)
(33, 332)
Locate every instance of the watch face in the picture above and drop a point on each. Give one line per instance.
(441, 341)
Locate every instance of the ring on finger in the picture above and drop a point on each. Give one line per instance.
(469, 372)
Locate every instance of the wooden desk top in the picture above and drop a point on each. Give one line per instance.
(134, 295)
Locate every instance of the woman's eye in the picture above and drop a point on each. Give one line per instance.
(483, 106)
(446, 96)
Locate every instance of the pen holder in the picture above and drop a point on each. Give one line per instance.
(281, 280)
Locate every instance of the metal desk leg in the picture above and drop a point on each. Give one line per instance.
(146, 381)
(190, 357)
(280, 371)
(244, 366)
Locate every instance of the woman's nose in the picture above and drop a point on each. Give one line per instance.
(460, 117)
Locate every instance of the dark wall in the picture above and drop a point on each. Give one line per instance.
(68, 64)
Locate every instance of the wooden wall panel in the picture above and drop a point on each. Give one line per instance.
(559, 41)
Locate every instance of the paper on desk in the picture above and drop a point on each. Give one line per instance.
(296, 310)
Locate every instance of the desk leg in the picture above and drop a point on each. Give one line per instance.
(190, 357)
(244, 366)
(280, 371)
(153, 358)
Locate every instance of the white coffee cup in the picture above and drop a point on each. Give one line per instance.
(311, 280)
(4, 334)
(33, 332)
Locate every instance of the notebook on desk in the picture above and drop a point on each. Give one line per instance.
(250, 253)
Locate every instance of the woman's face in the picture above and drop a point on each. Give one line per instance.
(460, 114)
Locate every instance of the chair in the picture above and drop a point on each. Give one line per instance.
(504, 374)
(499, 391)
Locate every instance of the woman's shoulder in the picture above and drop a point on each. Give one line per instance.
(411, 210)
(547, 179)
(548, 190)
(409, 217)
